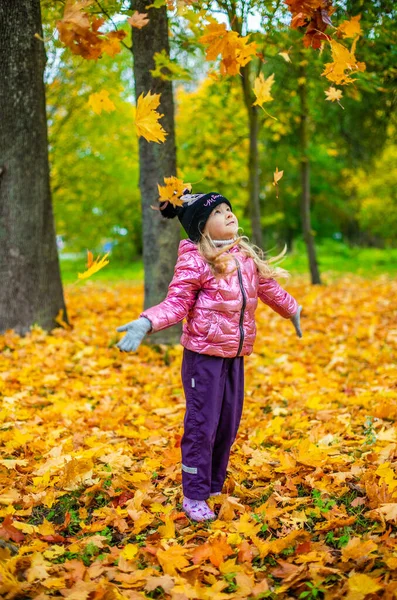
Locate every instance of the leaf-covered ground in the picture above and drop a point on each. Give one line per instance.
(90, 478)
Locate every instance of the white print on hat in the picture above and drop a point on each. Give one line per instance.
(189, 199)
(212, 199)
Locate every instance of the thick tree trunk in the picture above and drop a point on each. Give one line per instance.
(30, 282)
(305, 176)
(156, 161)
(253, 160)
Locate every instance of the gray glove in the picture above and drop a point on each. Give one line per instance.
(296, 322)
(136, 331)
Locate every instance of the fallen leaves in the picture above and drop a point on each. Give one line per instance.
(90, 480)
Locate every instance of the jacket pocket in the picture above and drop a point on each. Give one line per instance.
(213, 327)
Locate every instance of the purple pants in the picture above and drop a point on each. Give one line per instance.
(214, 392)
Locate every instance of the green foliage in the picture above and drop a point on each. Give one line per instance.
(94, 158)
(314, 591)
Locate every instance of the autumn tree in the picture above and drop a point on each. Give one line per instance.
(156, 161)
(31, 289)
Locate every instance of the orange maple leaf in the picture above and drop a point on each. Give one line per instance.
(234, 49)
(138, 20)
(79, 31)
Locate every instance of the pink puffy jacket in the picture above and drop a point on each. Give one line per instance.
(220, 315)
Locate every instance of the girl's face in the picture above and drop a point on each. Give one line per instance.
(222, 224)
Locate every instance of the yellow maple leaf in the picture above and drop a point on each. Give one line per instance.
(247, 526)
(138, 20)
(344, 63)
(130, 551)
(167, 531)
(350, 28)
(94, 267)
(309, 454)
(171, 559)
(146, 120)
(285, 56)
(333, 94)
(277, 175)
(100, 101)
(262, 89)
(360, 585)
(172, 189)
(358, 549)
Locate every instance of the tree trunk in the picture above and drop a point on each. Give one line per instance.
(31, 288)
(156, 161)
(305, 176)
(253, 160)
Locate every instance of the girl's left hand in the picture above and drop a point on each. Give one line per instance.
(296, 322)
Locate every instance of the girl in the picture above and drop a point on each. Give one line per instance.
(217, 280)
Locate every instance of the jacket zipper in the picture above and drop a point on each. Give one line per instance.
(242, 310)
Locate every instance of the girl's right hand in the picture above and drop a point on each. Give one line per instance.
(136, 331)
(296, 322)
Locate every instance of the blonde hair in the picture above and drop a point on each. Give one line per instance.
(219, 261)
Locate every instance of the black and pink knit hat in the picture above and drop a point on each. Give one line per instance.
(195, 211)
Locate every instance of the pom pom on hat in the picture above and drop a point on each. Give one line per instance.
(169, 211)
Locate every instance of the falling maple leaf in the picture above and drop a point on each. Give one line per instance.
(138, 20)
(93, 266)
(285, 56)
(79, 31)
(172, 189)
(277, 175)
(262, 89)
(100, 101)
(234, 49)
(111, 43)
(315, 16)
(146, 120)
(344, 64)
(333, 94)
(350, 28)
